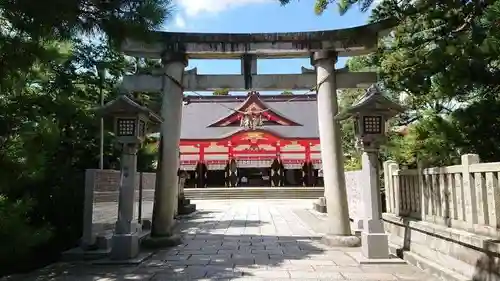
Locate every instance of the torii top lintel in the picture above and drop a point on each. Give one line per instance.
(353, 41)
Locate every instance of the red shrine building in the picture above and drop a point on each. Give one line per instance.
(253, 140)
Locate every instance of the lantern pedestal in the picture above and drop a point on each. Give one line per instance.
(125, 246)
(370, 114)
(131, 123)
(374, 240)
(125, 241)
(375, 245)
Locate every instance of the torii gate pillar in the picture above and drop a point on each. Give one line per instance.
(339, 229)
(166, 189)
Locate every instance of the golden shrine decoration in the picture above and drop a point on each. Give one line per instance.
(251, 120)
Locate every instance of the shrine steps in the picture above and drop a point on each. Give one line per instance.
(253, 193)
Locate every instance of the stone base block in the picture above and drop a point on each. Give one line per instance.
(103, 242)
(320, 205)
(146, 224)
(161, 242)
(134, 261)
(187, 209)
(357, 226)
(124, 246)
(319, 208)
(182, 200)
(375, 245)
(341, 240)
(361, 259)
(78, 254)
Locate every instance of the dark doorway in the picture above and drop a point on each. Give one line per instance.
(216, 178)
(293, 177)
(190, 180)
(255, 177)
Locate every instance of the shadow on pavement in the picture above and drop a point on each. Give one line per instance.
(217, 248)
(488, 266)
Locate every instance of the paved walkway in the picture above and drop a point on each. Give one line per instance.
(242, 240)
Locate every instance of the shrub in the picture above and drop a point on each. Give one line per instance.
(18, 237)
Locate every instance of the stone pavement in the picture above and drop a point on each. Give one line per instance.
(242, 240)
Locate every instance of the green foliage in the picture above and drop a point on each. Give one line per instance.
(148, 155)
(49, 136)
(221, 92)
(343, 5)
(352, 164)
(49, 90)
(66, 19)
(442, 62)
(19, 236)
(287, 93)
(353, 161)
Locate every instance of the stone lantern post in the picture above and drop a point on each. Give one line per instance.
(130, 122)
(370, 114)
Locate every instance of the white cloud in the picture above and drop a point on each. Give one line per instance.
(179, 22)
(195, 7)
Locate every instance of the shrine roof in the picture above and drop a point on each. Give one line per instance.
(351, 41)
(203, 111)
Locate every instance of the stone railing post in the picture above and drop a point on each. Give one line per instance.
(88, 237)
(392, 202)
(493, 199)
(423, 189)
(470, 204)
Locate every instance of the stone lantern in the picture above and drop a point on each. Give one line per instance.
(131, 123)
(370, 114)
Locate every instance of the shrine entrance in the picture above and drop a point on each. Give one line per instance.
(299, 130)
(254, 177)
(216, 178)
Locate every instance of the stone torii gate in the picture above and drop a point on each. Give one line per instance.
(322, 47)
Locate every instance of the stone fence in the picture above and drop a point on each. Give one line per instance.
(447, 215)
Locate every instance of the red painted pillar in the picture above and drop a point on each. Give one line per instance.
(202, 153)
(203, 172)
(230, 150)
(230, 172)
(278, 149)
(308, 164)
(307, 147)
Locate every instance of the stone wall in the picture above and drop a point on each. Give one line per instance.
(108, 180)
(445, 219)
(353, 184)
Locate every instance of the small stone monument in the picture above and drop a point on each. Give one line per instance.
(131, 122)
(371, 113)
(184, 204)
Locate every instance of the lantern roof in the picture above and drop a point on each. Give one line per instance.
(124, 105)
(372, 102)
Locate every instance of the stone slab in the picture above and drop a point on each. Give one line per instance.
(358, 256)
(319, 208)
(247, 228)
(161, 242)
(187, 209)
(135, 261)
(341, 241)
(81, 254)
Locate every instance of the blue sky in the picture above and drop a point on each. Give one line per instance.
(242, 16)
